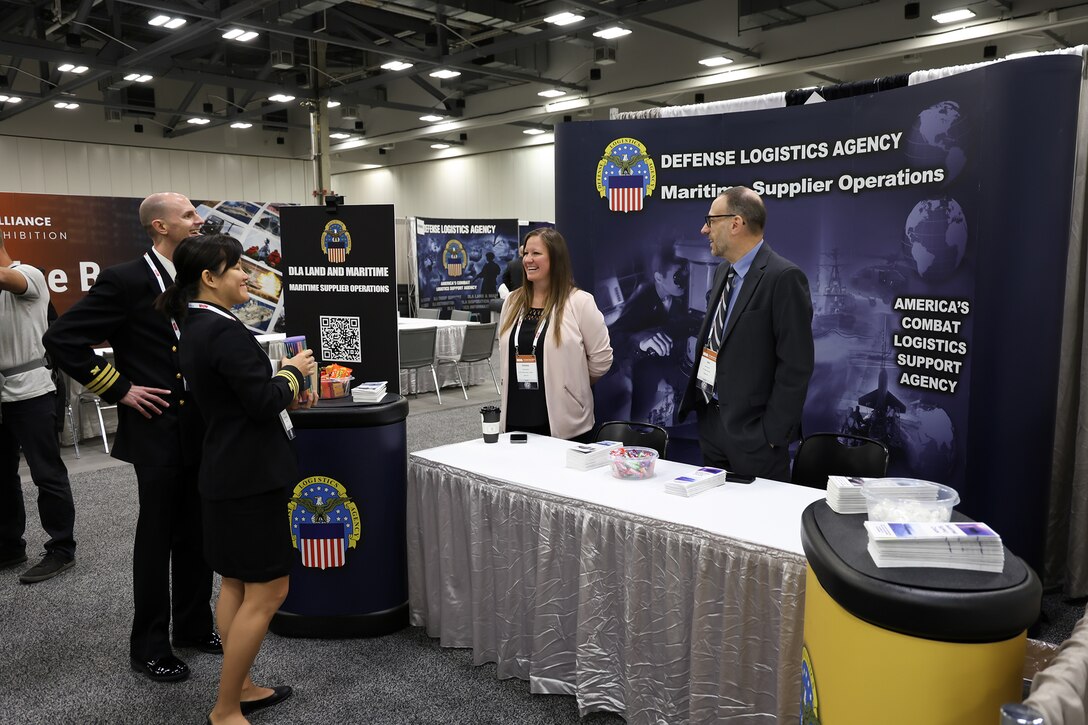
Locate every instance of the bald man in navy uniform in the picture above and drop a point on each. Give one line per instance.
(159, 431)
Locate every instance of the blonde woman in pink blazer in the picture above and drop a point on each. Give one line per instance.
(553, 345)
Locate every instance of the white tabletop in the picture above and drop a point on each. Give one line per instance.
(764, 512)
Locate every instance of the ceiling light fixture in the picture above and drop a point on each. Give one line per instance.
(444, 73)
(332, 104)
(432, 118)
(954, 16)
(138, 77)
(565, 18)
(552, 93)
(10, 99)
(281, 98)
(611, 33)
(534, 131)
(72, 68)
(440, 146)
(397, 65)
(199, 121)
(241, 124)
(339, 136)
(242, 36)
(66, 106)
(165, 21)
(715, 61)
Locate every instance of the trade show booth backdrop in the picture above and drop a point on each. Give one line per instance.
(459, 261)
(73, 238)
(932, 222)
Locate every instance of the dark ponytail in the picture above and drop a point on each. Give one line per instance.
(214, 252)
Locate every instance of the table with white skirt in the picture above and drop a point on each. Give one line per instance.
(663, 608)
(449, 339)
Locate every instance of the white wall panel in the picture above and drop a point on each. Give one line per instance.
(78, 168)
(31, 165)
(98, 166)
(519, 183)
(54, 164)
(67, 167)
(11, 179)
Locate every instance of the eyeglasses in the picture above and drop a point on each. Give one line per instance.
(711, 217)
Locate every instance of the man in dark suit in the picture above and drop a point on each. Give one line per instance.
(159, 431)
(755, 347)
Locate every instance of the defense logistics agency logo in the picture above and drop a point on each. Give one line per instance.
(626, 174)
(324, 522)
(810, 704)
(454, 258)
(336, 241)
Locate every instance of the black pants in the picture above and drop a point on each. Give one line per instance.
(168, 546)
(30, 425)
(765, 462)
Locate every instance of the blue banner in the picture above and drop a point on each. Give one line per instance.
(459, 261)
(933, 240)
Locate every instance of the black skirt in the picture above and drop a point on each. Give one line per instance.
(249, 538)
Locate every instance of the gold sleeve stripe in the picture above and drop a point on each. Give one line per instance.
(292, 381)
(101, 384)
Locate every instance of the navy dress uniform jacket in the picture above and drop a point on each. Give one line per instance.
(119, 309)
(246, 451)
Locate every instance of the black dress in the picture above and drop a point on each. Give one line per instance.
(527, 409)
(248, 467)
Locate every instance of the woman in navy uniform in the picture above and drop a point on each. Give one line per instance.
(248, 465)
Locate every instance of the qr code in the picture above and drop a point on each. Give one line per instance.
(340, 339)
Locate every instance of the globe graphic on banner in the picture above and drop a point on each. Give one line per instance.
(935, 238)
(930, 442)
(937, 139)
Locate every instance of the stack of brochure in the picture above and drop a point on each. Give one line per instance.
(955, 545)
(590, 455)
(844, 494)
(369, 392)
(695, 482)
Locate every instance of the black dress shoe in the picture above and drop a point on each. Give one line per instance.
(279, 694)
(162, 669)
(211, 644)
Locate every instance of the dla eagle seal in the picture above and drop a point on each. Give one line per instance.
(324, 522)
(626, 175)
(454, 258)
(336, 241)
(810, 703)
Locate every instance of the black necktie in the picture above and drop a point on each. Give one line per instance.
(717, 325)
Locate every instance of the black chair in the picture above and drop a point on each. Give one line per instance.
(631, 433)
(838, 454)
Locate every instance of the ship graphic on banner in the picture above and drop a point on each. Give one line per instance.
(324, 522)
(626, 175)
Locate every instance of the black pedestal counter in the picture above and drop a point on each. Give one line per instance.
(347, 514)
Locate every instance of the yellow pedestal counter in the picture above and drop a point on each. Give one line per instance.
(907, 646)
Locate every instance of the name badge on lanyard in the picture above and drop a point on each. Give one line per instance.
(525, 365)
(708, 366)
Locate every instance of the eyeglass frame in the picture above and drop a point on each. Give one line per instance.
(711, 217)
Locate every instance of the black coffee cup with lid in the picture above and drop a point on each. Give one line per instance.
(489, 417)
